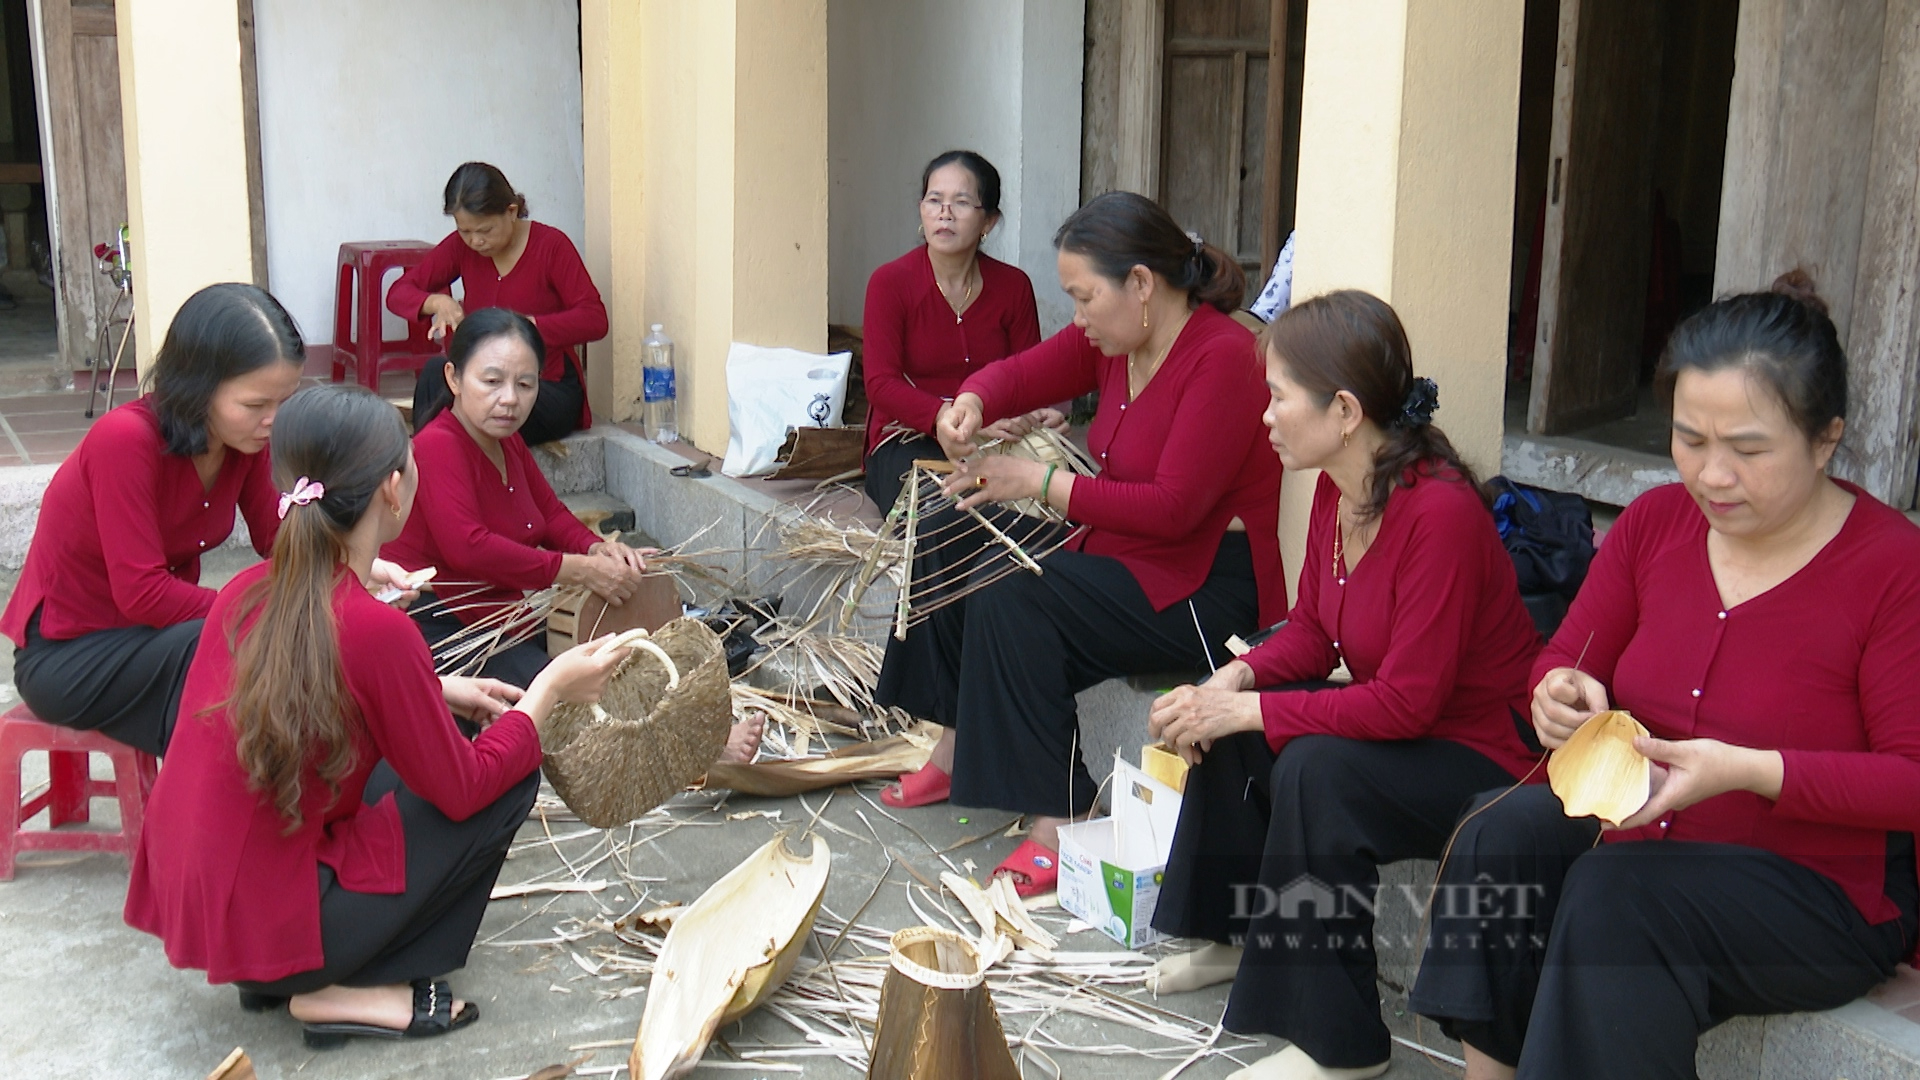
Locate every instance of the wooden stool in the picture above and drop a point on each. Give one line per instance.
(70, 788)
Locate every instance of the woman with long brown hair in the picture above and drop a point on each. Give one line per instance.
(322, 831)
(1176, 542)
(1407, 585)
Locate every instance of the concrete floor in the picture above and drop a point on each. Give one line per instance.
(84, 996)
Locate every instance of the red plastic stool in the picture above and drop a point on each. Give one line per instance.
(357, 340)
(70, 786)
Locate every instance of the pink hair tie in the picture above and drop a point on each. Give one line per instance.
(304, 492)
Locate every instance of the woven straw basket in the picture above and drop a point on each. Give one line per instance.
(652, 742)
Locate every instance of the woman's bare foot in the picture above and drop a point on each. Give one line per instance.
(1208, 965)
(1482, 1067)
(382, 1006)
(743, 742)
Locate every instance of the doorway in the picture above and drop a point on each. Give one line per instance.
(1622, 146)
(1196, 104)
(29, 326)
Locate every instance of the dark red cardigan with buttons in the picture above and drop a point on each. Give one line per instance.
(1430, 623)
(549, 284)
(490, 539)
(1177, 465)
(219, 878)
(122, 527)
(1819, 667)
(916, 351)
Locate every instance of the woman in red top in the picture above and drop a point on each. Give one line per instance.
(935, 316)
(1763, 621)
(1407, 585)
(322, 831)
(109, 607)
(488, 521)
(1176, 544)
(502, 259)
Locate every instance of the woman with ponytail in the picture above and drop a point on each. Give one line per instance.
(1175, 545)
(1762, 620)
(322, 831)
(1407, 586)
(109, 605)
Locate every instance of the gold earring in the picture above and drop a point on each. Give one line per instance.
(396, 511)
(1345, 438)
(1143, 316)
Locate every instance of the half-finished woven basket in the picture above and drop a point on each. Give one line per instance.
(651, 742)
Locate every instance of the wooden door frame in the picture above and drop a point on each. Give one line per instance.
(60, 152)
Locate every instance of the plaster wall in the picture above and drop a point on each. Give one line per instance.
(181, 111)
(366, 107)
(912, 78)
(1407, 150)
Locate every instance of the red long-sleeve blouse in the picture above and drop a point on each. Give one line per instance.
(1818, 667)
(122, 527)
(549, 285)
(219, 879)
(1177, 465)
(492, 540)
(916, 351)
(1430, 622)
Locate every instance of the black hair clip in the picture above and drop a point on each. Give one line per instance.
(1422, 400)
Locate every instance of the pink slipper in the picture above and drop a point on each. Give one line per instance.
(1037, 863)
(929, 785)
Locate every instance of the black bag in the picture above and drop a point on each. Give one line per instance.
(1548, 533)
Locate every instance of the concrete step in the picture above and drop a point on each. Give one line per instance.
(602, 513)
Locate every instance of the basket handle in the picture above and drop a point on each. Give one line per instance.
(641, 640)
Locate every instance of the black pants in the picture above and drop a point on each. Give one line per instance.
(556, 409)
(888, 464)
(1571, 960)
(517, 665)
(122, 683)
(1281, 856)
(1003, 666)
(426, 931)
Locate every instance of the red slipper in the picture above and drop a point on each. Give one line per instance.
(1037, 863)
(929, 785)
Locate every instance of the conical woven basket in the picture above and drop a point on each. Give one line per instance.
(936, 1018)
(651, 742)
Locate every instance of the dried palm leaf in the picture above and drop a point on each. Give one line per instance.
(712, 968)
(998, 912)
(1048, 447)
(936, 1019)
(1598, 773)
(882, 759)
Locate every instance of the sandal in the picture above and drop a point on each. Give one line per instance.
(259, 1003)
(433, 1016)
(929, 785)
(1037, 863)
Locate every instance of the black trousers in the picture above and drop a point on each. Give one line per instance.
(888, 464)
(517, 665)
(1002, 667)
(1574, 960)
(426, 931)
(122, 683)
(556, 409)
(1281, 856)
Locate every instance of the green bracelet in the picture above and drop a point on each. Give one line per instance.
(1046, 481)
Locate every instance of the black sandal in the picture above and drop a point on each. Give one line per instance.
(258, 1003)
(433, 1016)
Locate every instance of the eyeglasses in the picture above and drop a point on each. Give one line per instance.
(958, 207)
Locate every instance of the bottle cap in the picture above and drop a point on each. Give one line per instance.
(657, 327)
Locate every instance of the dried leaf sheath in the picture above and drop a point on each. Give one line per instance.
(726, 953)
(1598, 773)
(936, 1018)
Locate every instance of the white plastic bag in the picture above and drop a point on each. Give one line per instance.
(772, 390)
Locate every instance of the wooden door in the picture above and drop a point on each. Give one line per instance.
(1220, 91)
(1593, 277)
(86, 174)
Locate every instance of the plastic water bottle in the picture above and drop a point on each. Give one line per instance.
(657, 417)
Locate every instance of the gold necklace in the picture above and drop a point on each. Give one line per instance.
(965, 295)
(1164, 350)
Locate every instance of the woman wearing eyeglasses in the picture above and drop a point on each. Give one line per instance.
(938, 314)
